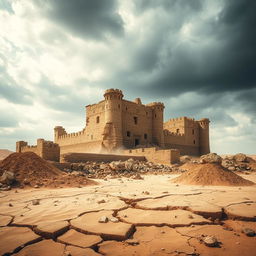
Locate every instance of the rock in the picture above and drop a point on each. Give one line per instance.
(132, 241)
(248, 231)
(114, 220)
(101, 201)
(7, 178)
(103, 219)
(137, 176)
(185, 159)
(211, 158)
(232, 168)
(210, 241)
(35, 202)
(240, 157)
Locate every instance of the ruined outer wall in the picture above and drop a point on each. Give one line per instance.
(45, 149)
(84, 157)
(163, 156)
(142, 130)
(87, 147)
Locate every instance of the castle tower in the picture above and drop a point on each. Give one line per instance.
(19, 145)
(157, 123)
(112, 135)
(204, 144)
(58, 131)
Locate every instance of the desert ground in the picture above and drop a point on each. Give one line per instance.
(124, 216)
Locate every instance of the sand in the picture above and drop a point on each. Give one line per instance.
(189, 213)
(210, 174)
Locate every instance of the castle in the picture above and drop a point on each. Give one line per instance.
(116, 124)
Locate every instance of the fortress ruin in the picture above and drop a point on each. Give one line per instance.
(118, 125)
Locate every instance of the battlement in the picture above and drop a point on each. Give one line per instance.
(113, 94)
(156, 104)
(45, 149)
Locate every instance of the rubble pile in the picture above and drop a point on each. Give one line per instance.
(239, 162)
(116, 169)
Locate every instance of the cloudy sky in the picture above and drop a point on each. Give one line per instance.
(196, 56)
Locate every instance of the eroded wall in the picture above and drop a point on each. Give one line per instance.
(163, 156)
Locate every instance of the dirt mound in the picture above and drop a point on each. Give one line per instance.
(32, 170)
(4, 153)
(210, 174)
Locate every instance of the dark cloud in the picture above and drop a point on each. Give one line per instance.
(94, 19)
(221, 56)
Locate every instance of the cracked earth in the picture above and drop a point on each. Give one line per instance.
(152, 216)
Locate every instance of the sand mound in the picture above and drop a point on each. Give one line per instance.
(210, 174)
(31, 170)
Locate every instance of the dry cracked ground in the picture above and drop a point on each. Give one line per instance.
(152, 216)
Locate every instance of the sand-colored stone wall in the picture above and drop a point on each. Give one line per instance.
(84, 157)
(45, 149)
(87, 147)
(142, 130)
(164, 156)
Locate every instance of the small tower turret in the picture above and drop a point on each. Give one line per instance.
(157, 123)
(112, 135)
(58, 131)
(204, 144)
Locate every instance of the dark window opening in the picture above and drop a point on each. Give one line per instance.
(194, 142)
(155, 115)
(145, 136)
(193, 131)
(97, 119)
(135, 118)
(119, 106)
(177, 130)
(128, 134)
(126, 108)
(136, 142)
(87, 120)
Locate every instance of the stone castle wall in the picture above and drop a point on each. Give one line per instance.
(84, 157)
(45, 149)
(155, 155)
(115, 124)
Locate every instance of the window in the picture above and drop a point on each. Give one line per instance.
(87, 120)
(135, 118)
(119, 106)
(91, 137)
(145, 136)
(155, 115)
(193, 132)
(177, 130)
(97, 119)
(194, 142)
(128, 134)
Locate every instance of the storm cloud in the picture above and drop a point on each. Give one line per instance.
(198, 57)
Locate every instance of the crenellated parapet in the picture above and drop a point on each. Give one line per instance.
(113, 94)
(48, 150)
